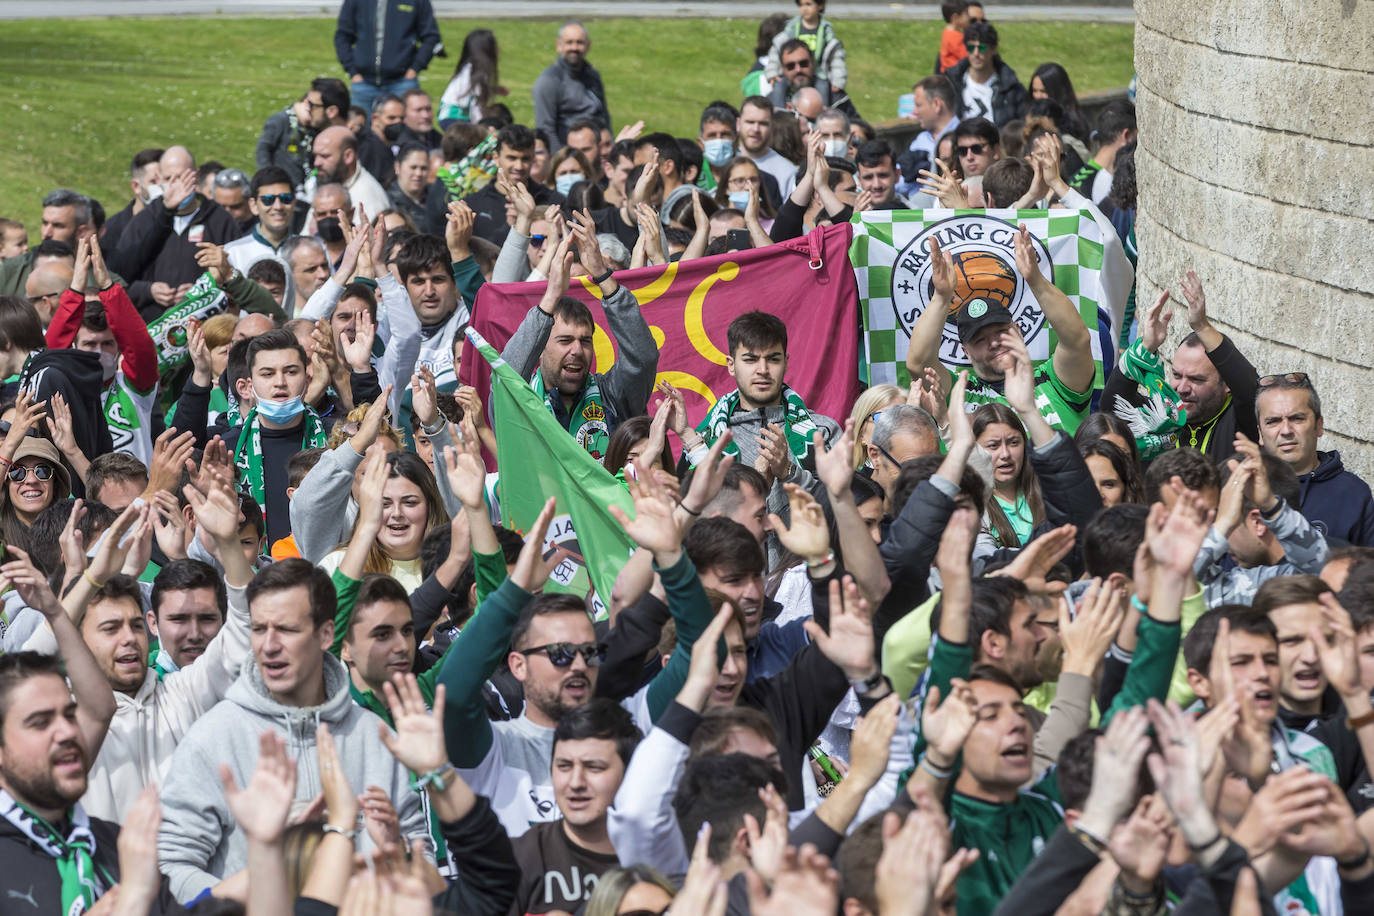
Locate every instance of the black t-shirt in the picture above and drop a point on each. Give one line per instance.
(278, 445)
(555, 873)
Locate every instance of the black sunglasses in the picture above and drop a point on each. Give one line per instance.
(976, 46)
(286, 197)
(976, 149)
(41, 471)
(1291, 378)
(561, 654)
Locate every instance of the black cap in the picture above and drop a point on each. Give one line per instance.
(978, 313)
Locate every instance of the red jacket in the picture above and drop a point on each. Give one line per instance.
(138, 354)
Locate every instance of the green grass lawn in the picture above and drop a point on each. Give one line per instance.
(80, 97)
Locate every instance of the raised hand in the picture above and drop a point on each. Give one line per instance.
(1020, 377)
(31, 584)
(709, 476)
(1037, 559)
(807, 535)
(768, 844)
(946, 725)
(559, 272)
(588, 248)
(1175, 539)
(531, 569)
(1088, 636)
(908, 870)
(1141, 844)
(458, 230)
(357, 353)
(702, 893)
(380, 819)
(139, 877)
(960, 425)
(424, 394)
(1177, 772)
(262, 807)
(1116, 769)
(834, 465)
(171, 451)
(849, 644)
(73, 543)
(60, 425)
(774, 461)
(216, 509)
(1154, 329)
(467, 476)
(654, 526)
(1197, 301)
(339, 800)
(114, 547)
(169, 525)
(1337, 649)
(81, 270)
(1285, 800)
(1027, 260)
(372, 421)
(806, 885)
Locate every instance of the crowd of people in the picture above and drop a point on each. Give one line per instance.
(1005, 640)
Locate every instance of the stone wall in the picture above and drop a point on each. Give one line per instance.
(1256, 168)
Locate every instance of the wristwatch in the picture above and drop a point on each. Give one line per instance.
(869, 684)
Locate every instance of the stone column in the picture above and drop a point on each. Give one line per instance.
(1256, 168)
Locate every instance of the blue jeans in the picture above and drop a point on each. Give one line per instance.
(365, 94)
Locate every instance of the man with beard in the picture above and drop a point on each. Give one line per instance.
(53, 855)
(111, 328)
(288, 134)
(551, 648)
(331, 205)
(335, 154)
(1063, 383)
(559, 330)
(153, 710)
(570, 90)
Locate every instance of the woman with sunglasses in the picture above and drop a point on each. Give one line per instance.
(36, 478)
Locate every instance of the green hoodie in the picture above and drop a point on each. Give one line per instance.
(1009, 835)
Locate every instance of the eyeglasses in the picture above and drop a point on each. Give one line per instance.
(18, 472)
(976, 149)
(286, 197)
(976, 47)
(561, 654)
(34, 300)
(888, 455)
(1290, 378)
(314, 104)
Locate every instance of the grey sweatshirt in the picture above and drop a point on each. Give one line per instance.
(199, 843)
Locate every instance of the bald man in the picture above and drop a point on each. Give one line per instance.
(570, 90)
(807, 103)
(44, 287)
(335, 153)
(157, 250)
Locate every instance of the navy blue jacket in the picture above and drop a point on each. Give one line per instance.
(405, 41)
(1337, 502)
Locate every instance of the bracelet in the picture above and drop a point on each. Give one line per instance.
(1273, 513)
(430, 431)
(434, 777)
(1199, 847)
(694, 514)
(349, 835)
(817, 564)
(935, 770)
(86, 574)
(1361, 720)
(868, 684)
(1352, 864)
(1139, 605)
(604, 277)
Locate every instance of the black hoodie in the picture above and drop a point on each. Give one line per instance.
(78, 377)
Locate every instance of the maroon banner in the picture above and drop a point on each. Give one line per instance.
(807, 282)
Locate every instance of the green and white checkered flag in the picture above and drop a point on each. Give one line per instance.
(891, 258)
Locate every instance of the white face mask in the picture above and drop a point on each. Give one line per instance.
(837, 149)
(152, 192)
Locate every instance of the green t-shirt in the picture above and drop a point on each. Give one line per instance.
(1009, 834)
(1061, 406)
(1019, 515)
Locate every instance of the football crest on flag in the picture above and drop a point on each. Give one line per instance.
(984, 256)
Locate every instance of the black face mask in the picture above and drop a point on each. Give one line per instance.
(329, 229)
(392, 132)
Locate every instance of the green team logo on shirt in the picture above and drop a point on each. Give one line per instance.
(984, 255)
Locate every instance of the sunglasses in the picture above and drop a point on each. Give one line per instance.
(41, 471)
(538, 240)
(976, 47)
(976, 149)
(1290, 378)
(796, 65)
(561, 654)
(286, 197)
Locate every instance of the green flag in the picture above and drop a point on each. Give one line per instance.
(539, 459)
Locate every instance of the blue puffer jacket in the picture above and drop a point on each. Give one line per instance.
(405, 40)
(1338, 503)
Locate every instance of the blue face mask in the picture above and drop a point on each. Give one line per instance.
(564, 183)
(739, 199)
(283, 411)
(719, 151)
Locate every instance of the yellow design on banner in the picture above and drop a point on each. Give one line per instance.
(692, 317)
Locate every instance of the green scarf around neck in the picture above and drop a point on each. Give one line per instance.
(74, 853)
(797, 422)
(248, 453)
(588, 419)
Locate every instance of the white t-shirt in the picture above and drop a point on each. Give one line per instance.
(978, 99)
(782, 170)
(1102, 186)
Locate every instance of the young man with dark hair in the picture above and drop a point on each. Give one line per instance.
(1336, 501)
(272, 198)
(592, 745)
(977, 145)
(514, 157)
(287, 135)
(878, 175)
(187, 609)
(293, 685)
(1193, 471)
(1005, 182)
(670, 183)
(755, 130)
(116, 479)
(1116, 127)
(936, 108)
(552, 348)
(112, 329)
(985, 86)
(144, 183)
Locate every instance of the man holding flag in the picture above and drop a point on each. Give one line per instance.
(557, 333)
(1063, 382)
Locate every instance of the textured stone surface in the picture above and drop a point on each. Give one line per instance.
(1256, 151)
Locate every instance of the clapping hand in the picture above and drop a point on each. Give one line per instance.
(262, 807)
(654, 526)
(807, 535)
(946, 725)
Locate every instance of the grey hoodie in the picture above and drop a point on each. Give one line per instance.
(199, 843)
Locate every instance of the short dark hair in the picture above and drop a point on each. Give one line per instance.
(916, 470)
(515, 136)
(1116, 116)
(1282, 591)
(119, 587)
(938, 86)
(1197, 645)
(981, 31)
(268, 270)
(1007, 180)
(600, 718)
(669, 150)
(1074, 768)
(184, 575)
(547, 603)
(1186, 463)
(720, 789)
(65, 197)
(332, 92)
(142, 159)
(720, 113)
(980, 129)
(994, 675)
(1283, 482)
(421, 252)
(302, 463)
(20, 327)
(623, 149)
(1357, 592)
(724, 544)
(268, 175)
(18, 667)
(93, 316)
(1280, 383)
(994, 599)
(295, 572)
(509, 542)
(275, 339)
(54, 248)
(574, 312)
(1111, 539)
(114, 466)
(857, 861)
(377, 587)
(951, 8)
(872, 154)
(756, 330)
(713, 732)
(357, 290)
(793, 44)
